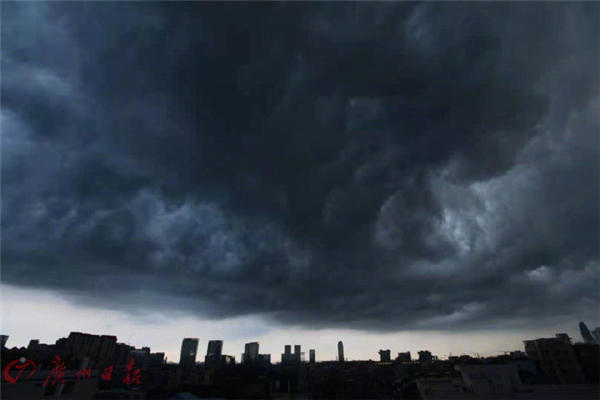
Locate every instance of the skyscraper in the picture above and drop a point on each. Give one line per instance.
(311, 355)
(596, 334)
(250, 352)
(187, 358)
(288, 357)
(214, 357)
(340, 351)
(215, 348)
(585, 333)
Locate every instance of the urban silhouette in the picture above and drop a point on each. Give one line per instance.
(86, 366)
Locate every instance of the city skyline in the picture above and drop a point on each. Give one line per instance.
(364, 346)
(190, 354)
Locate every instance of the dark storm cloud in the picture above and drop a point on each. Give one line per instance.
(382, 166)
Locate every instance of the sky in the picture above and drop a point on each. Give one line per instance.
(394, 175)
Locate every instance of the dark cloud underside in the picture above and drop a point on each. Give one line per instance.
(383, 166)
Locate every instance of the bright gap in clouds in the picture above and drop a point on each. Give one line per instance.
(46, 315)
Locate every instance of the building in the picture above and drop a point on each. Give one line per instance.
(250, 353)
(98, 349)
(121, 354)
(144, 359)
(311, 356)
(425, 357)
(556, 360)
(215, 348)
(288, 357)
(264, 359)
(596, 334)
(340, 351)
(564, 337)
(139, 357)
(189, 348)
(33, 343)
(585, 333)
(156, 359)
(214, 355)
(227, 360)
(3, 340)
(404, 357)
(385, 355)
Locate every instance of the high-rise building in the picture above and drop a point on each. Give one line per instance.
(404, 357)
(384, 355)
(340, 351)
(215, 348)
(214, 355)
(288, 357)
(189, 347)
(140, 357)
(250, 352)
(3, 340)
(585, 333)
(596, 334)
(425, 357)
(99, 350)
(311, 356)
(120, 356)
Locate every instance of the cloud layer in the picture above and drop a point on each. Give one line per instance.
(374, 166)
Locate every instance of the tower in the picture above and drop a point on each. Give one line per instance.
(340, 351)
(311, 355)
(214, 357)
(215, 347)
(189, 346)
(585, 333)
(250, 352)
(297, 352)
(596, 334)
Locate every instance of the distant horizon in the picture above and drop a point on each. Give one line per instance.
(358, 346)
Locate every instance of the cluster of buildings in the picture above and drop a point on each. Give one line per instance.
(81, 350)
(553, 367)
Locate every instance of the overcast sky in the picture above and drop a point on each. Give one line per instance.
(300, 171)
